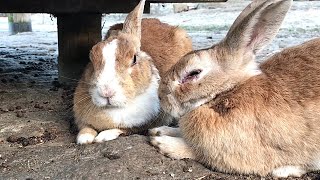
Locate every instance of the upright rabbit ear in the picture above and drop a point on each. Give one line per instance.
(245, 13)
(132, 24)
(257, 25)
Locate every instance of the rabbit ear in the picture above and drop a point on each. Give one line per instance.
(257, 25)
(245, 13)
(132, 24)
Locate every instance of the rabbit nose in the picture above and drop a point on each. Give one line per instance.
(107, 92)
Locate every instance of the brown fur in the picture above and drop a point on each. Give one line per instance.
(163, 43)
(158, 39)
(269, 121)
(250, 123)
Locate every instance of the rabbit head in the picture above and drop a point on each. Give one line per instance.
(203, 74)
(121, 70)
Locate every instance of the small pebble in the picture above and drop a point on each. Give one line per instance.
(25, 142)
(12, 139)
(11, 108)
(187, 169)
(4, 109)
(18, 107)
(20, 114)
(38, 106)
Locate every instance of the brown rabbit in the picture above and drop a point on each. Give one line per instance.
(239, 117)
(118, 92)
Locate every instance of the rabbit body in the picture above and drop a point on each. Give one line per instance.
(240, 117)
(267, 121)
(117, 93)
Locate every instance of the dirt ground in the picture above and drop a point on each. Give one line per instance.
(37, 135)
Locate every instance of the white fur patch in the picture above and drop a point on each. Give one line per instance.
(253, 69)
(109, 55)
(108, 79)
(141, 110)
(286, 171)
(108, 135)
(85, 138)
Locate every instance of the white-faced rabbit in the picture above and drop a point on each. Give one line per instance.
(240, 117)
(118, 91)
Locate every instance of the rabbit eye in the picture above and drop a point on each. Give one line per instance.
(191, 75)
(134, 60)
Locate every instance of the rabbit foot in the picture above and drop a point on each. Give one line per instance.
(165, 130)
(86, 138)
(286, 171)
(173, 147)
(108, 135)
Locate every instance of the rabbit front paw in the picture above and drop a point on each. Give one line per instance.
(173, 147)
(108, 135)
(165, 130)
(286, 171)
(86, 138)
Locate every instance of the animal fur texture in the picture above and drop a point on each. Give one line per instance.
(240, 117)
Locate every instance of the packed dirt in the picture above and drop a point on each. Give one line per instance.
(37, 134)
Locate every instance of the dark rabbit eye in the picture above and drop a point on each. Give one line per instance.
(192, 75)
(134, 60)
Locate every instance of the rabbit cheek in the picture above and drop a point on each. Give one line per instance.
(174, 107)
(141, 77)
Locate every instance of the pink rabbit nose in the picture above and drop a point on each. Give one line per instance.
(107, 93)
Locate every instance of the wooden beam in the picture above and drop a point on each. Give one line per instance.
(19, 22)
(67, 6)
(185, 1)
(79, 6)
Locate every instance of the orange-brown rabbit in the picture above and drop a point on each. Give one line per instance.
(240, 117)
(118, 92)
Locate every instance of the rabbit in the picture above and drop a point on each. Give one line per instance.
(118, 91)
(238, 116)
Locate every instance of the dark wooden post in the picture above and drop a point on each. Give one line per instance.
(19, 22)
(77, 33)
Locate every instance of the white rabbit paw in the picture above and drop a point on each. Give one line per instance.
(286, 171)
(108, 135)
(86, 138)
